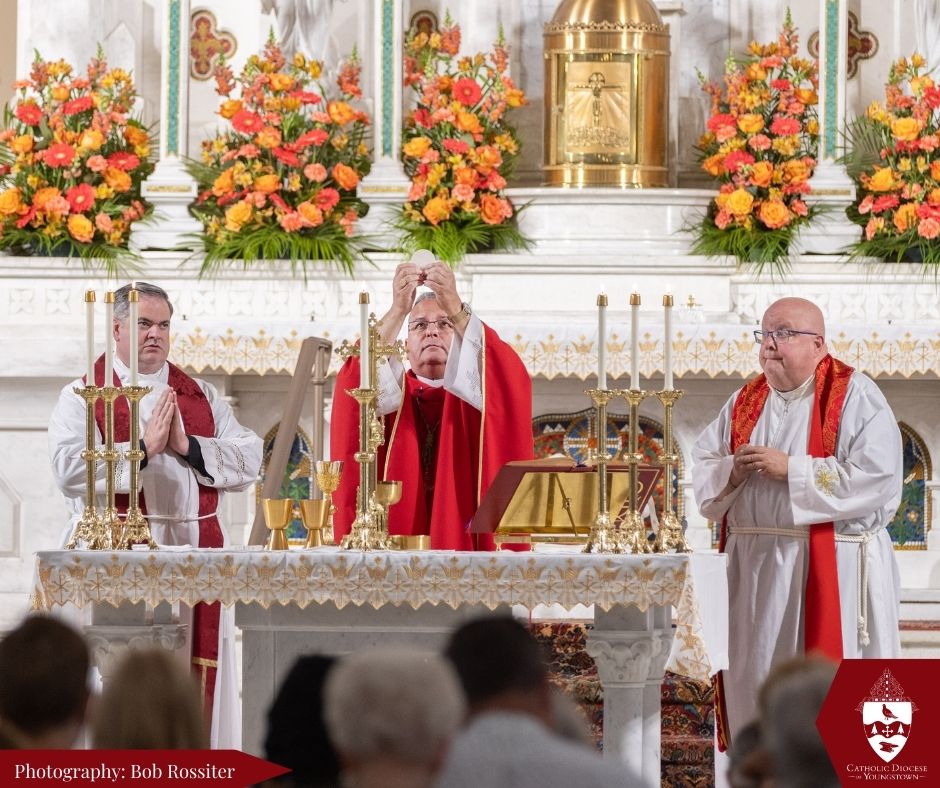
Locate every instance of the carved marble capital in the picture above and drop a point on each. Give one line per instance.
(109, 644)
(624, 658)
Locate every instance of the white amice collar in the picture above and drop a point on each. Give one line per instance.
(162, 375)
(436, 384)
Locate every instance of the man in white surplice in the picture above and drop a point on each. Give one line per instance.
(195, 448)
(753, 468)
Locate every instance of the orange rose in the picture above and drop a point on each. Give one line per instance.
(493, 209)
(117, 179)
(762, 173)
(906, 129)
(935, 169)
(807, 96)
(487, 158)
(416, 147)
(881, 180)
(22, 144)
(224, 183)
(267, 183)
(340, 112)
(436, 210)
(229, 108)
(91, 139)
(465, 176)
(934, 197)
(136, 135)
(468, 122)
(80, 227)
(282, 82)
(774, 214)
(42, 197)
(313, 216)
(712, 165)
(10, 201)
(345, 176)
(905, 217)
(60, 92)
(740, 202)
(237, 215)
(269, 137)
(751, 123)
(795, 171)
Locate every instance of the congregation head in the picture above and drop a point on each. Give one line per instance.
(44, 692)
(430, 333)
(792, 342)
(152, 332)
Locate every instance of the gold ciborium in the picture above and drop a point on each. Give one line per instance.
(387, 494)
(278, 513)
(328, 473)
(314, 514)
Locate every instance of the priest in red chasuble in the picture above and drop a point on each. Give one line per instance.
(462, 410)
(803, 468)
(195, 451)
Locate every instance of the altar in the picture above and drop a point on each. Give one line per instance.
(651, 613)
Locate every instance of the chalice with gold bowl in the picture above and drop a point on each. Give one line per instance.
(314, 514)
(327, 474)
(278, 513)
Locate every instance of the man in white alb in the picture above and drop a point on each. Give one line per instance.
(195, 449)
(803, 468)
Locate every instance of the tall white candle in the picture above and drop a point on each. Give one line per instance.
(90, 337)
(667, 340)
(109, 338)
(602, 341)
(364, 366)
(133, 299)
(634, 340)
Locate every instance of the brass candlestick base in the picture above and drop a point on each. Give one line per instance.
(367, 532)
(89, 529)
(670, 535)
(136, 528)
(604, 538)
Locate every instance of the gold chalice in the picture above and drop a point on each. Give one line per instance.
(327, 474)
(314, 514)
(278, 513)
(387, 494)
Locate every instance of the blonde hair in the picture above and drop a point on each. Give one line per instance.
(151, 703)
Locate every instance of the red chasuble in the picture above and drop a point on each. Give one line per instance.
(822, 614)
(197, 420)
(445, 479)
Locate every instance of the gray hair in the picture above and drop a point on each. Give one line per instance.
(394, 702)
(122, 306)
(426, 295)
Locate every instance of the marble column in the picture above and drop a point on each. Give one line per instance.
(170, 189)
(832, 187)
(386, 186)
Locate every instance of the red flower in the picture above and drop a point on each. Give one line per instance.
(77, 105)
(81, 198)
(781, 84)
(29, 114)
(885, 202)
(123, 160)
(27, 217)
(313, 137)
(737, 159)
(456, 146)
(278, 201)
(306, 97)
(466, 91)
(247, 122)
(286, 156)
(422, 117)
(932, 97)
(720, 121)
(783, 127)
(58, 155)
(326, 199)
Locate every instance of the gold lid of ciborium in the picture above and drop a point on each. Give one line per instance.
(606, 94)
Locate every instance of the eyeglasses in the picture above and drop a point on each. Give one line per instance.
(421, 326)
(780, 335)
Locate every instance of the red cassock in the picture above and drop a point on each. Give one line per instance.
(471, 448)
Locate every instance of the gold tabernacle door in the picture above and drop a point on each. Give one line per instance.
(555, 500)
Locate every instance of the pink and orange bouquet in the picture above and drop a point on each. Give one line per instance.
(895, 163)
(760, 144)
(457, 148)
(73, 164)
(281, 181)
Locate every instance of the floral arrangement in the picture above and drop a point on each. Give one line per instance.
(457, 148)
(281, 181)
(761, 145)
(895, 163)
(73, 164)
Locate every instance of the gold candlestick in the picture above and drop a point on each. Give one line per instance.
(90, 528)
(633, 529)
(670, 535)
(111, 522)
(603, 537)
(136, 527)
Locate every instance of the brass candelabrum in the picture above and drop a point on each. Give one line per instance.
(670, 535)
(369, 529)
(105, 530)
(603, 538)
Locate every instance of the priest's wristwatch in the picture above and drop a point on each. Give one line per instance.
(461, 314)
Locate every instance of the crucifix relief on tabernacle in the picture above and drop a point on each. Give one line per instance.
(598, 108)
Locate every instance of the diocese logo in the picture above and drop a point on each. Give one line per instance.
(887, 714)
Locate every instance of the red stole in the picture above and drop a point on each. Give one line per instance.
(471, 448)
(197, 420)
(822, 614)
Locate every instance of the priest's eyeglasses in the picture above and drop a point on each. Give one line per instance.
(780, 335)
(421, 326)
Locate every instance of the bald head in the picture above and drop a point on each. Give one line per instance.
(789, 361)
